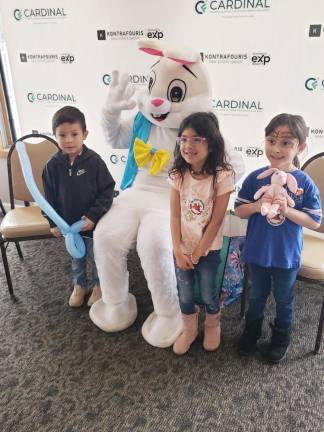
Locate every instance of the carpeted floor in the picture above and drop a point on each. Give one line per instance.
(58, 372)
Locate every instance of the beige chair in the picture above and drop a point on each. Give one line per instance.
(25, 222)
(2, 208)
(312, 260)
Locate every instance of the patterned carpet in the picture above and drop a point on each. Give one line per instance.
(58, 372)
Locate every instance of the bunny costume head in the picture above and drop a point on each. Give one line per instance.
(178, 85)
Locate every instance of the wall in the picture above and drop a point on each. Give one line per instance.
(264, 57)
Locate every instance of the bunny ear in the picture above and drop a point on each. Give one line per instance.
(292, 183)
(150, 47)
(152, 51)
(267, 172)
(183, 56)
(182, 61)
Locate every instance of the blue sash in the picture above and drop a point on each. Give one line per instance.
(141, 129)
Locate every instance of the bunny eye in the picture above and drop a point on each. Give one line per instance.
(177, 90)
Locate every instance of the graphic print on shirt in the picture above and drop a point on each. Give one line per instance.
(195, 209)
(80, 172)
(196, 206)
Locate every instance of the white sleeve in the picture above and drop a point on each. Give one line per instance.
(116, 131)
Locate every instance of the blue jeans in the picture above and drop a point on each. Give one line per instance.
(205, 270)
(283, 282)
(79, 267)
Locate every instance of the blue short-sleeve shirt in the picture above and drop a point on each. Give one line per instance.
(277, 246)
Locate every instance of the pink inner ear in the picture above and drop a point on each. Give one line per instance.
(152, 51)
(185, 62)
(292, 183)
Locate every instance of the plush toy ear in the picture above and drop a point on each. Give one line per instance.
(267, 172)
(292, 183)
(150, 47)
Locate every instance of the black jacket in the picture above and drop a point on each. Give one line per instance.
(85, 188)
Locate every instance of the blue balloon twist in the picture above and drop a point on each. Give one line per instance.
(73, 240)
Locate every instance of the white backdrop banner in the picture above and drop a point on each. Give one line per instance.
(264, 56)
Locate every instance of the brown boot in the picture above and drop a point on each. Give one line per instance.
(189, 333)
(77, 297)
(95, 295)
(212, 332)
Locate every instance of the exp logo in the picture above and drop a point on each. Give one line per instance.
(254, 152)
(67, 58)
(260, 59)
(155, 34)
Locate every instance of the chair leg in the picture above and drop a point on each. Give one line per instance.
(2, 208)
(6, 267)
(244, 291)
(21, 256)
(319, 330)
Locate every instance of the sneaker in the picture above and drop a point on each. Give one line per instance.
(95, 295)
(77, 297)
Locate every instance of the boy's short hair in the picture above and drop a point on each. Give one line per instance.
(68, 114)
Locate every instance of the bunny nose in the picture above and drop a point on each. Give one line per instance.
(157, 102)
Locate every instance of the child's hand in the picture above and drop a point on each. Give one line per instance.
(88, 224)
(183, 261)
(56, 232)
(283, 206)
(194, 258)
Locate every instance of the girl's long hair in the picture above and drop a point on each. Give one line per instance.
(206, 125)
(297, 127)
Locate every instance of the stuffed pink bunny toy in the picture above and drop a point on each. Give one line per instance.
(271, 193)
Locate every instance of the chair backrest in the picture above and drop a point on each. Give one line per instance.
(40, 148)
(314, 167)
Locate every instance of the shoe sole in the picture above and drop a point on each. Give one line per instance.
(271, 361)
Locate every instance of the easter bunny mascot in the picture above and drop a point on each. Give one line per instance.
(178, 86)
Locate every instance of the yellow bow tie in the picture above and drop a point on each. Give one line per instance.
(143, 153)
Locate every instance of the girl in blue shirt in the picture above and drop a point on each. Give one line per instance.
(272, 250)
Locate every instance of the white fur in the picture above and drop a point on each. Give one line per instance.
(140, 215)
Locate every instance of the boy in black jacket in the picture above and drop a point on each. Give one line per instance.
(78, 185)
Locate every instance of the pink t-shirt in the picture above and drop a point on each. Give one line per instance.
(197, 201)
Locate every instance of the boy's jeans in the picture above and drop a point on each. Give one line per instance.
(206, 270)
(283, 282)
(79, 267)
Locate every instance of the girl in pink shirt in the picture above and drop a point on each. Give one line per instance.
(202, 182)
